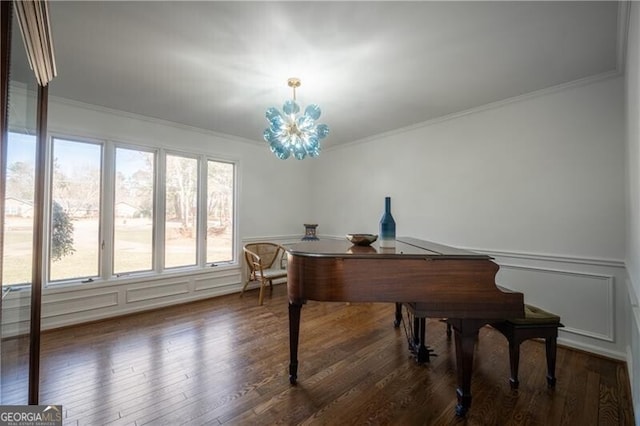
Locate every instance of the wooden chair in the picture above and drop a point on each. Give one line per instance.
(264, 263)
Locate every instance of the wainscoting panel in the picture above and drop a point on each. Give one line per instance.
(16, 312)
(591, 310)
(229, 278)
(61, 308)
(57, 305)
(157, 290)
(590, 296)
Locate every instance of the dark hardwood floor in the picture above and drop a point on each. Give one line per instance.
(225, 360)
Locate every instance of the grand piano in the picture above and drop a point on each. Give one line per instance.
(443, 281)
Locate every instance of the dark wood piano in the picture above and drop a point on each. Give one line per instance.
(446, 283)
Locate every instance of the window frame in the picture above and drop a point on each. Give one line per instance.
(163, 207)
(20, 285)
(48, 210)
(110, 219)
(234, 199)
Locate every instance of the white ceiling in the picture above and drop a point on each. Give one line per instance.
(373, 67)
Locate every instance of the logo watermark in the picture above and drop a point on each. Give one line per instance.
(30, 415)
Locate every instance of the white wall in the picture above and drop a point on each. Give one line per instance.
(537, 182)
(543, 175)
(632, 104)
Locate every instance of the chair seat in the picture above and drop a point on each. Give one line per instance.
(536, 316)
(273, 273)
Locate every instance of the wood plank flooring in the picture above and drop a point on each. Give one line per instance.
(225, 360)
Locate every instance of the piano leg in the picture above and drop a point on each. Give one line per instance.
(294, 334)
(398, 319)
(466, 334)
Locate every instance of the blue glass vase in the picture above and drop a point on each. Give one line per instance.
(387, 226)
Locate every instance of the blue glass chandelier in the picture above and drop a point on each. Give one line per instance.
(289, 133)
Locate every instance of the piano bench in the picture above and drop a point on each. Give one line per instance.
(537, 323)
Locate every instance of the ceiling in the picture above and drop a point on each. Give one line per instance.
(373, 67)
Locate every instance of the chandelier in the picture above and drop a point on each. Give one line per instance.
(290, 133)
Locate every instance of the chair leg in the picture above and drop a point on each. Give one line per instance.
(514, 363)
(250, 277)
(245, 287)
(551, 346)
(263, 284)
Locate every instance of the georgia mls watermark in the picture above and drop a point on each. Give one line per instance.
(30, 415)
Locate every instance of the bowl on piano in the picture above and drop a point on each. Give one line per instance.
(362, 239)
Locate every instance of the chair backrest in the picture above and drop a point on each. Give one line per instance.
(263, 255)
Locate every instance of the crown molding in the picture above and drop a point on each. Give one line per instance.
(487, 107)
(151, 120)
(624, 14)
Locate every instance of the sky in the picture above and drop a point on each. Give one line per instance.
(71, 155)
(22, 148)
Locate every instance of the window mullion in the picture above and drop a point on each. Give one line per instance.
(202, 211)
(159, 220)
(47, 226)
(107, 216)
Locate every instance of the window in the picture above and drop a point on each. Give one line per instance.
(220, 178)
(181, 211)
(18, 214)
(74, 244)
(133, 211)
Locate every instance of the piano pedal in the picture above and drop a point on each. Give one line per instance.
(421, 353)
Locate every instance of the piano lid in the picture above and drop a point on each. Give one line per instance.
(405, 247)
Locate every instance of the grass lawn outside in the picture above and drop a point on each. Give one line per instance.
(133, 247)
